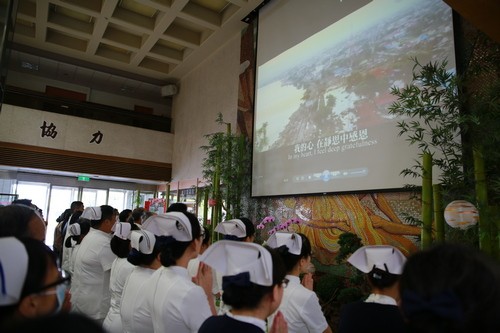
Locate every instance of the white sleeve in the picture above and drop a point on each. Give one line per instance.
(195, 308)
(107, 257)
(313, 315)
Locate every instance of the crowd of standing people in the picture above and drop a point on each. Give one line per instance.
(113, 271)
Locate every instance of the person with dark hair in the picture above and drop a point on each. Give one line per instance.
(57, 323)
(253, 283)
(31, 283)
(60, 230)
(120, 271)
(145, 256)
(21, 221)
(125, 215)
(383, 265)
(30, 204)
(177, 207)
(176, 303)
(90, 288)
(138, 215)
(451, 288)
(300, 305)
(76, 233)
(241, 229)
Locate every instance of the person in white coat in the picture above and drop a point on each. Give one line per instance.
(145, 256)
(90, 286)
(176, 303)
(120, 271)
(299, 305)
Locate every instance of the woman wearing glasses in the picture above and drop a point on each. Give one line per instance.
(31, 285)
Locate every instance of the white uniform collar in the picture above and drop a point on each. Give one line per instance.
(179, 270)
(251, 320)
(381, 299)
(292, 279)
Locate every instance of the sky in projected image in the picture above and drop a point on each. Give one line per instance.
(333, 89)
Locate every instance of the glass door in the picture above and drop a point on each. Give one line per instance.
(92, 197)
(61, 198)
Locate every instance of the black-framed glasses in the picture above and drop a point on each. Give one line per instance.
(285, 282)
(64, 278)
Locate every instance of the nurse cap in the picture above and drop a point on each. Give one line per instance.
(13, 270)
(92, 213)
(383, 257)
(234, 227)
(75, 229)
(143, 241)
(231, 258)
(122, 230)
(173, 224)
(292, 241)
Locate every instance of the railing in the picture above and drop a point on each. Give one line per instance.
(39, 101)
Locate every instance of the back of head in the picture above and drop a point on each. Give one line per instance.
(177, 207)
(249, 227)
(58, 323)
(76, 206)
(125, 215)
(451, 288)
(383, 264)
(15, 220)
(251, 295)
(137, 214)
(120, 243)
(173, 248)
(291, 259)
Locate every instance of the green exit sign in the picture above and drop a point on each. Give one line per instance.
(83, 178)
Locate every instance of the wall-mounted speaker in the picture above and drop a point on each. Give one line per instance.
(168, 90)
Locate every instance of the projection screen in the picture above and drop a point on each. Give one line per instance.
(324, 73)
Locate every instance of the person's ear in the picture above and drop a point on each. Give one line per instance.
(27, 307)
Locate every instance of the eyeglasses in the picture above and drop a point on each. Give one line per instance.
(64, 279)
(284, 283)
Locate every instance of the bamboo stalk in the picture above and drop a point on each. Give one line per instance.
(167, 194)
(485, 232)
(426, 239)
(437, 199)
(229, 204)
(205, 205)
(217, 208)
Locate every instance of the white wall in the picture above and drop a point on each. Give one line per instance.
(208, 90)
(23, 126)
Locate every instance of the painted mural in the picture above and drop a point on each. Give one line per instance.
(377, 218)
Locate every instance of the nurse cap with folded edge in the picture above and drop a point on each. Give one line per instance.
(122, 230)
(234, 227)
(92, 213)
(143, 241)
(13, 270)
(292, 241)
(383, 257)
(173, 224)
(231, 258)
